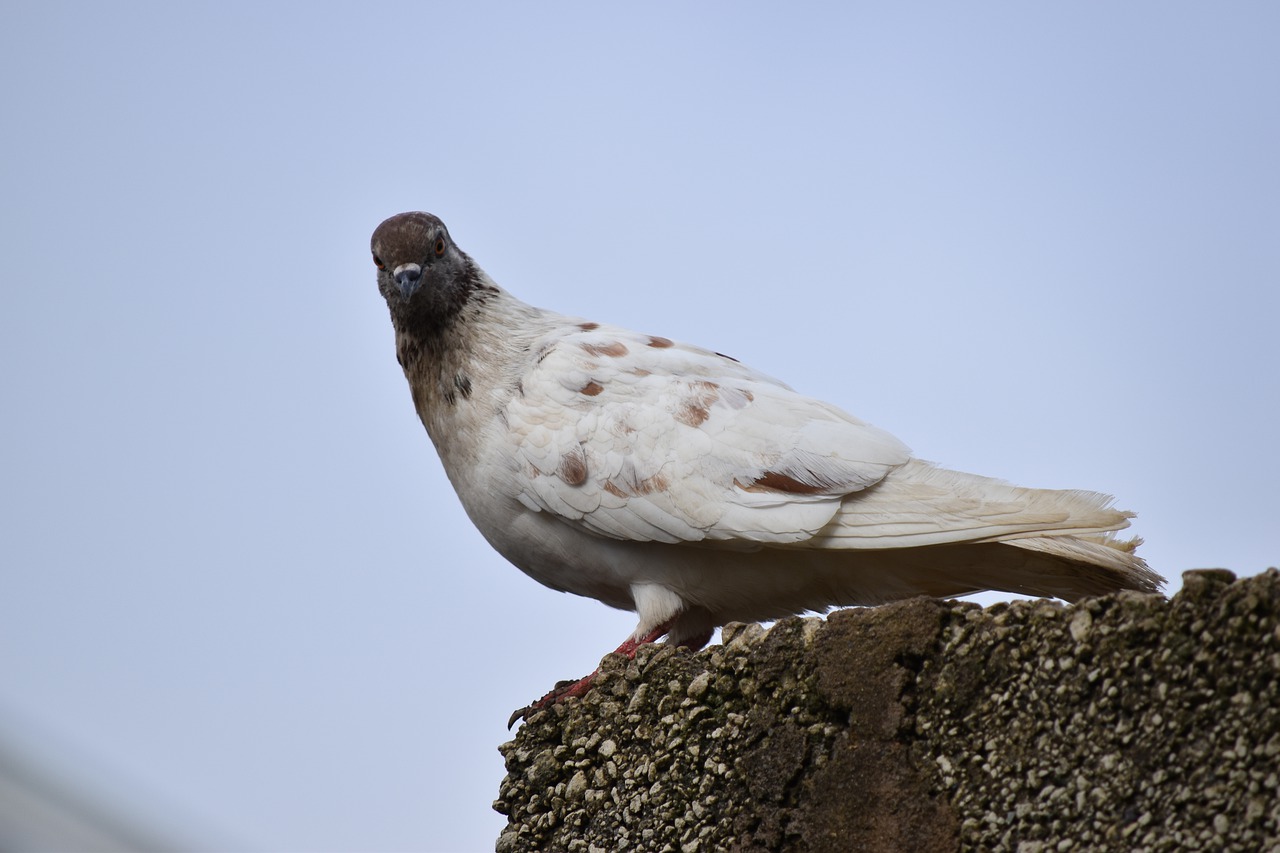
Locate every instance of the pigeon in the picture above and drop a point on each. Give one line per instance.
(677, 482)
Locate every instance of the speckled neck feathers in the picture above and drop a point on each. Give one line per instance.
(460, 338)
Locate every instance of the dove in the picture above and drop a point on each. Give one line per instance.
(675, 482)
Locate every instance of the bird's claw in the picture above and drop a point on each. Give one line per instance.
(519, 714)
(563, 690)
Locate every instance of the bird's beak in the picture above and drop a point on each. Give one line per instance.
(409, 277)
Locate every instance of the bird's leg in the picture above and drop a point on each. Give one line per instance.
(565, 689)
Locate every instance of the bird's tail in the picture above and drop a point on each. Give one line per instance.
(1074, 567)
(948, 532)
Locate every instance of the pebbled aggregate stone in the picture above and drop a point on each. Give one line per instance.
(1127, 722)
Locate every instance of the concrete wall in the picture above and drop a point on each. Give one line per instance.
(1122, 723)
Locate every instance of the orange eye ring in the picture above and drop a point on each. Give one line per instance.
(439, 246)
(377, 262)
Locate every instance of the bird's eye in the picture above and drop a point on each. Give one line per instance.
(377, 262)
(439, 246)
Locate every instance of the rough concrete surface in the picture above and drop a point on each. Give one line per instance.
(1127, 722)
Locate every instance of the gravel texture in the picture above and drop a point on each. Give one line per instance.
(1127, 722)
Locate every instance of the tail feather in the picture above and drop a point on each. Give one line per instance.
(1095, 564)
(927, 530)
(775, 582)
(924, 530)
(1069, 568)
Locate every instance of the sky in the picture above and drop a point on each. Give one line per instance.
(239, 601)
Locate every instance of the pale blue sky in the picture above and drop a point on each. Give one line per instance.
(239, 599)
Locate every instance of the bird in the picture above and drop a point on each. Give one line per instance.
(676, 482)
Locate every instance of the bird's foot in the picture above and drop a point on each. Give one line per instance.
(563, 690)
(566, 689)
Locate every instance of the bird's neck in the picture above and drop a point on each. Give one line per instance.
(462, 371)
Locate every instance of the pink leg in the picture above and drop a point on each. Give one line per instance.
(565, 689)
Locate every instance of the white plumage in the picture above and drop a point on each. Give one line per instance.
(674, 481)
(669, 443)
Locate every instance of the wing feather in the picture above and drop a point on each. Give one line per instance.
(922, 504)
(634, 437)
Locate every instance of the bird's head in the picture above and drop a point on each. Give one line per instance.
(421, 272)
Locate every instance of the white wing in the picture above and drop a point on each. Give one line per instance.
(634, 437)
